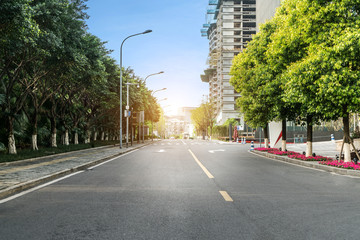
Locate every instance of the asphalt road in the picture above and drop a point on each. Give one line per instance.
(188, 189)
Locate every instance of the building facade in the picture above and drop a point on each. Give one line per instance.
(230, 26)
(265, 10)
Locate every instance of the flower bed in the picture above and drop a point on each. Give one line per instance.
(294, 155)
(322, 160)
(310, 158)
(341, 164)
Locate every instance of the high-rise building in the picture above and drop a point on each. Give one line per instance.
(265, 10)
(230, 25)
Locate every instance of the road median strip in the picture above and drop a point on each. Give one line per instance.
(309, 164)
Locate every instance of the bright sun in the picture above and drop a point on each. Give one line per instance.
(171, 109)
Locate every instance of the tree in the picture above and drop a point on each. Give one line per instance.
(325, 81)
(18, 35)
(251, 75)
(203, 117)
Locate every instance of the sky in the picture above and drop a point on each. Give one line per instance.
(175, 46)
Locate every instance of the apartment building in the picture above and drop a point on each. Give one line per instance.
(229, 27)
(265, 10)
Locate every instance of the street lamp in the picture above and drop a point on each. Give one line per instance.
(143, 128)
(127, 112)
(152, 75)
(152, 124)
(147, 31)
(152, 94)
(162, 99)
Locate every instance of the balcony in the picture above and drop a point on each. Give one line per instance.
(213, 2)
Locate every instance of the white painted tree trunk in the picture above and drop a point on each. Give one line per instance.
(95, 136)
(283, 145)
(266, 142)
(12, 146)
(107, 137)
(53, 140)
(102, 136)
(309, 149)
(34, 142)
(88, 134)
(66, 139)
(76, 138)
(347, 156)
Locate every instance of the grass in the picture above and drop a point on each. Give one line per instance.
(45, 151)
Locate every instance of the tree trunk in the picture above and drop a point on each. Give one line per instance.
(347, 157)
(266, 135)
(283, 146)
(88, 136)
(66, 137)
(11, 138)
(102, 136)
(34, 145)
(34, 142)
(95, 136)
(53, 140)
(107, 136)
(53, 132)
(309, 137)
(76, 138)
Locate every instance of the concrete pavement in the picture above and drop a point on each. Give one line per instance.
(21, 175)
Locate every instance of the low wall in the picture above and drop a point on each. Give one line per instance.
(356, 144)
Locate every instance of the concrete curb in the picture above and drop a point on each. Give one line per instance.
(33, 183)
(315, 165)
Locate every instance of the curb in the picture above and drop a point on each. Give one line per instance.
(32, 183)
(315, 165)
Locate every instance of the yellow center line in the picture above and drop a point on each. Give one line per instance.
(201, 165)
(226, 196)
(35, 165)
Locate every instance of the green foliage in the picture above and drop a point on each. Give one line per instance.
(56, 75)
(304, 64)
(203, 117)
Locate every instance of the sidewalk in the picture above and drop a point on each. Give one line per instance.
(21, 175)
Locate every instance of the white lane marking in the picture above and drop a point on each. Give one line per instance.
(161, 151)
(183, 142)
(37, 188)
(219, 150)
(110, 160)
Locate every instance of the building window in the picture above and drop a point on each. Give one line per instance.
(249, 32)
(249, 2)
(249, 9)
(249, 16)
(249, 24)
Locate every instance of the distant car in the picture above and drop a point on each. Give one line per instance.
(172, 138)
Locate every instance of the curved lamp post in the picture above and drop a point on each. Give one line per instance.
(143, 128)
(152, 94)
(147, 31)
(152, 75)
